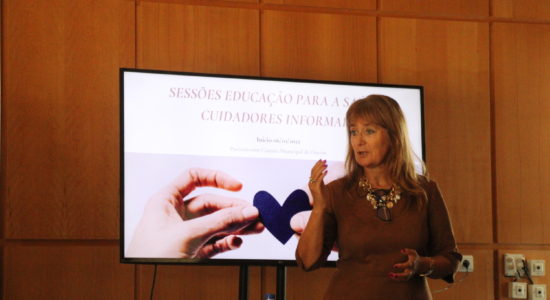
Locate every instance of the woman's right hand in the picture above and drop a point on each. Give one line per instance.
(316, 183)
(316, 186)
(316, 192)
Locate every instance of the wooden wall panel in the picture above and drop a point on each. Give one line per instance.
(318, 46)
(2, 271)
(351, 4)
(173, 36)
(522, 132)
(2, 173)
(60, 123)
(477, 285)
(60, 104)
(248, 1)
(451, 60)
(522, 9)
(209, 282)
(66, 272)
(190, 282)
(269, 280)
(529, 255)
(462, 8)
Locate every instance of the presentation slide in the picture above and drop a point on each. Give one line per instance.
(266, 133)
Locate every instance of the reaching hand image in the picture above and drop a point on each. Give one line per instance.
(199, 227)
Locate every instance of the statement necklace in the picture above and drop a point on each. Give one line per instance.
(381, 202)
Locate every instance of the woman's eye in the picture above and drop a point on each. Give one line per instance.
(353, 132)
(370, 131)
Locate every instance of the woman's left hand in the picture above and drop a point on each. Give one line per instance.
(408, 267)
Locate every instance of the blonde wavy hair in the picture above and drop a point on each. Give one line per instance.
(385, 112)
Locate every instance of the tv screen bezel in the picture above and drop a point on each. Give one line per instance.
(214, 261)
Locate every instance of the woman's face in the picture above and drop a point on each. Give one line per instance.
(369, 141)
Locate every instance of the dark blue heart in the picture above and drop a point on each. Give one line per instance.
(275, 217)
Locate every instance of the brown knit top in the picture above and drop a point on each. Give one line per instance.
(369, 247)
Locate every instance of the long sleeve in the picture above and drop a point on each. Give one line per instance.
(442, 241)
(318, 237)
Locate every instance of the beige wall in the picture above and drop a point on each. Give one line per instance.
(484, 64)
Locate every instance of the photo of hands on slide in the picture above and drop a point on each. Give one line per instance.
(180, 221)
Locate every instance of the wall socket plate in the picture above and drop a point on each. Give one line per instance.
(517, 290)
(470, 259)
(513, 265)
(536, 267)
(536, 292)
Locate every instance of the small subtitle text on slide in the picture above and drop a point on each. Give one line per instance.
(270, 150)
(315, 152)
(244, 149)
(254, 150)
(269, 140)
(291, 151)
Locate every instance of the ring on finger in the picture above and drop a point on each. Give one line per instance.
(411, 274)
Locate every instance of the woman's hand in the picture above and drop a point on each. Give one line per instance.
(316, 183)
(315, 190)
(410, 267)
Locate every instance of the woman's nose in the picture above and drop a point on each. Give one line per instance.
(362, 138)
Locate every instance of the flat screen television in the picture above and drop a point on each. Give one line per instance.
(264, 132)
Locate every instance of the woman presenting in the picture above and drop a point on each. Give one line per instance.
(390, 224)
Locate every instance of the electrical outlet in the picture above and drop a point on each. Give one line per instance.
(517, 290)
(469, 259)
(536, 267)
(536, 292)
(513, 265)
